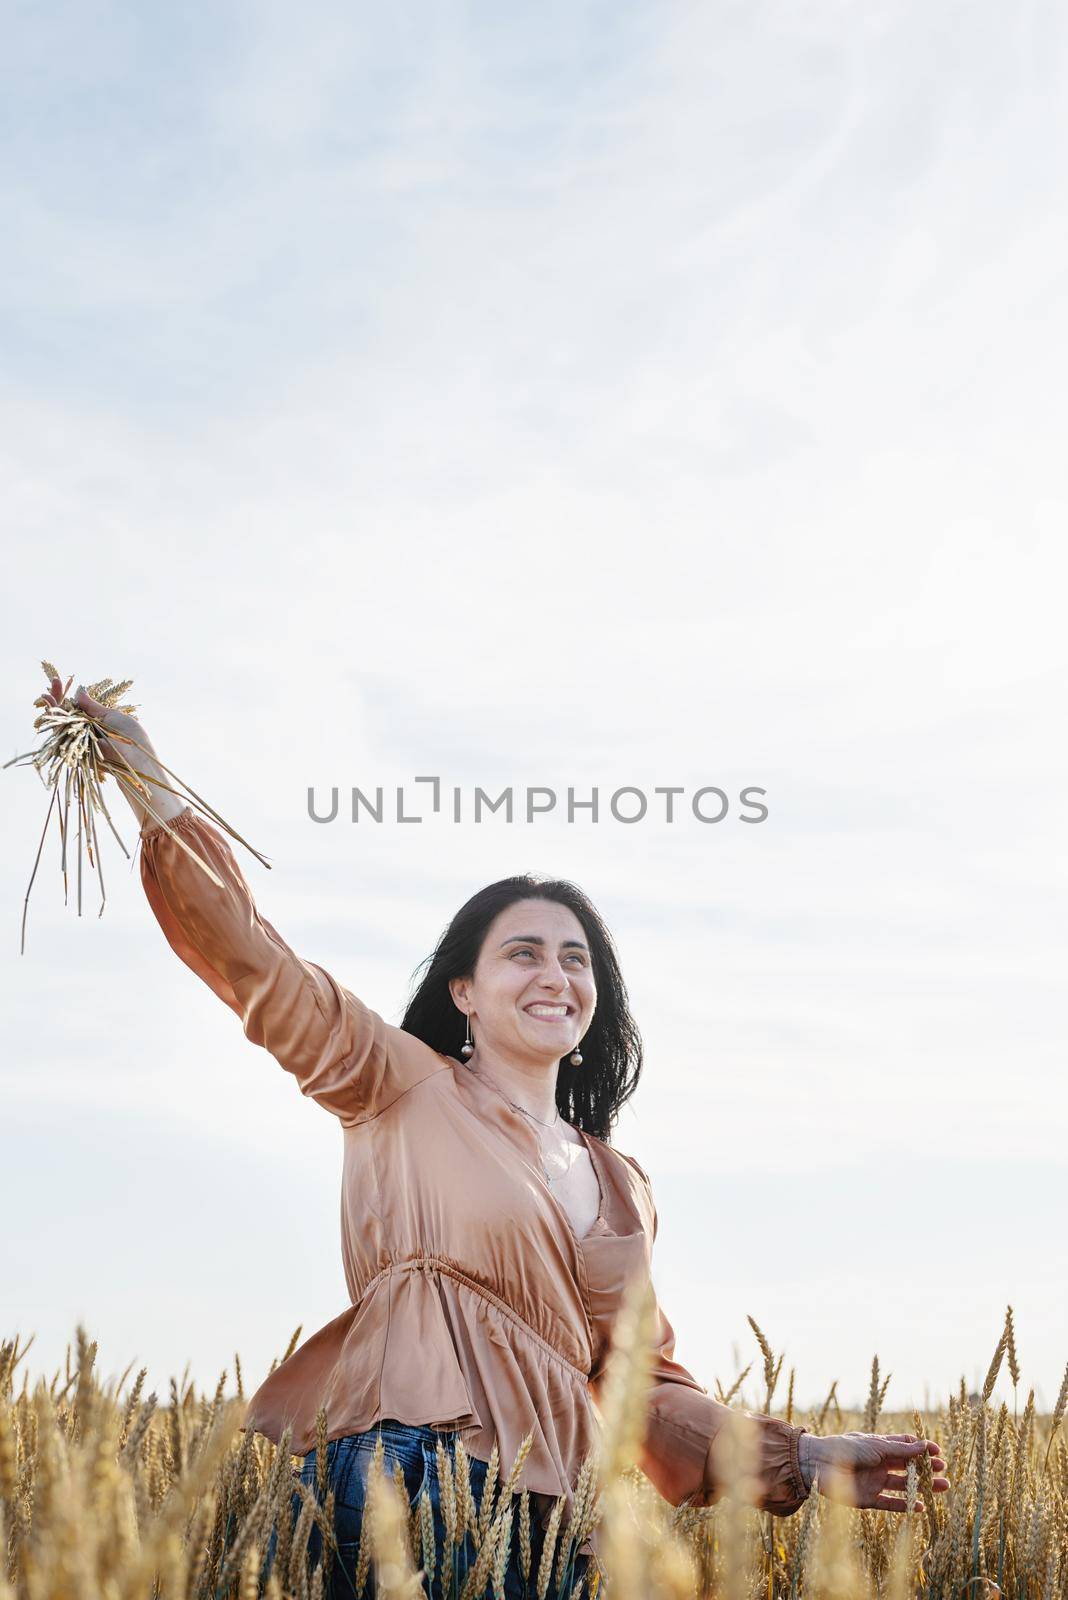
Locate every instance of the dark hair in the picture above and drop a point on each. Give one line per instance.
(589, 1096)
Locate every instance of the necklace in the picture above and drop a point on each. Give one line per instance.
(549, 1177)
(533, 1118)
(541, 1122)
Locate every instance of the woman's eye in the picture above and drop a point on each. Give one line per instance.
(574, 956)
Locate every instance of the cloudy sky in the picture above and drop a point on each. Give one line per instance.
(593, 396)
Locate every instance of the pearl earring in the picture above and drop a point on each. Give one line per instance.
(576, 1057)
(467, 1048)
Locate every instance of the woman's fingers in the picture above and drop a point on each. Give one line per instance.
(902, 1459)
(900, 1463)
(933, 1447)
(57, 688)
(886, 1502)
(86, 702)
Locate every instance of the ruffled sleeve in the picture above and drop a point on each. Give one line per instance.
(680, 1455)
(342, 1054)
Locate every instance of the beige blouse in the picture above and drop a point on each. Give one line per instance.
(474, 1303)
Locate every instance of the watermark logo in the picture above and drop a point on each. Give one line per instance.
(627, 804)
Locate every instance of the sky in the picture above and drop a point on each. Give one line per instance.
(600, 396)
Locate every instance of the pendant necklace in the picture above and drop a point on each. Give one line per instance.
(541, 1123)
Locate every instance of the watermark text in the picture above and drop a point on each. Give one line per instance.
(627, 804)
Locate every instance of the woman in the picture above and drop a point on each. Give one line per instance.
(488, 1227)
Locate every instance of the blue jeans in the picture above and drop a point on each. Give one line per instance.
(416, 1450)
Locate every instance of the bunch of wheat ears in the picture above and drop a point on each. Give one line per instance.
(71, 762)
(105, 1498)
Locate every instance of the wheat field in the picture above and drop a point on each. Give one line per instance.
(105, 1494)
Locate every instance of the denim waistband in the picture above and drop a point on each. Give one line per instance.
(420, 1430)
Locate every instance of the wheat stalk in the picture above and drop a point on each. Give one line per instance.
(103, 1493)
(71, 763)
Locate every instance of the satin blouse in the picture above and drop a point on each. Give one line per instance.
(474, 1304)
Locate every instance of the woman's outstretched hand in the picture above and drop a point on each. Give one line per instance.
(120, 753)
(860, 1468)
(119, 722)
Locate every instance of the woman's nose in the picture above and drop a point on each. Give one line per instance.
(554, 978)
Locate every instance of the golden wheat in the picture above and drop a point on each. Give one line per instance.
(74, 762)
(105, 1493)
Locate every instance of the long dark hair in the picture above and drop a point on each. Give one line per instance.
(589, 1096)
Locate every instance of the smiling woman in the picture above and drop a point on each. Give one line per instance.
(532, 988)
(489, 1229)
(534, 942)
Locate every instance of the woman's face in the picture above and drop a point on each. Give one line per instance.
(532, 994)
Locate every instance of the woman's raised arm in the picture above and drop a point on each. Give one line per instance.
(343, 1055)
